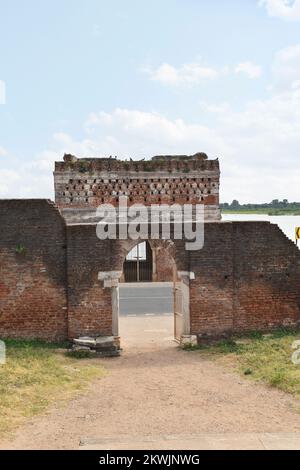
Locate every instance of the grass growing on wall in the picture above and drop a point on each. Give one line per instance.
(35, 375)
(262, 358)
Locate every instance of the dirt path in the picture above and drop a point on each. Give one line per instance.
(155, 389)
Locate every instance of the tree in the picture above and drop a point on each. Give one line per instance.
(275, 203)
(235, 204)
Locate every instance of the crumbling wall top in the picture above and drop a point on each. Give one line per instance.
(170, 163)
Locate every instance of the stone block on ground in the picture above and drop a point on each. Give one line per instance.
(104, 346)
(188, 340)
(85, 341)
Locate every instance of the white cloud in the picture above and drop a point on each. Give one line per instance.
(285, 9)
(23, 179)
(8, 179)
(250, 69)
(3, 152)
(191, 73)
(195, 73)
(2, 92)
(215, 108)
(266, 136)
(136, 134)
(258, 146)
(44, 162)
(286, 67)
(123, 132)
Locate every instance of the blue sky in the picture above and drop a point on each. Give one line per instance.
(138, 78)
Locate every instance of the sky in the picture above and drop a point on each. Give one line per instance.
(139, 78)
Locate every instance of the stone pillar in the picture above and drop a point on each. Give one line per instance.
(184, 277)
(115, 307)
(111, 280)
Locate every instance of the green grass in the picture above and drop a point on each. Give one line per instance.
(263, 358)
(37, 374)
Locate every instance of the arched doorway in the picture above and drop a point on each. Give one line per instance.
(138, 264)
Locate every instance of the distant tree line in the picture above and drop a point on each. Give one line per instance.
(274, 207)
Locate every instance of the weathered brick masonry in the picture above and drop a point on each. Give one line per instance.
(247, 276)
(90, 309)
(81, 185)
(33, 282)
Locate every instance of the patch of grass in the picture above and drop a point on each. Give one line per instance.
(35, 375)
(227, 346)
(264, 358)
(80, 354)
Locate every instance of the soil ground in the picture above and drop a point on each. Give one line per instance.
(155, 389)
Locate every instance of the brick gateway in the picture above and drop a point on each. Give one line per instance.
(59, 281)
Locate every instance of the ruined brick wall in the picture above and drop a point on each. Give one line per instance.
(33, 301)
(211, 293)
(247, 278)
(267, 277)
(84, 184)
(90, 307)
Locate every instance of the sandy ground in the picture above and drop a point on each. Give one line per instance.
(156, 389)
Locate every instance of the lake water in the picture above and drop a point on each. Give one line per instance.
(287, 223)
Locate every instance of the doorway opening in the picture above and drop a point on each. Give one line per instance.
(150, 297)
